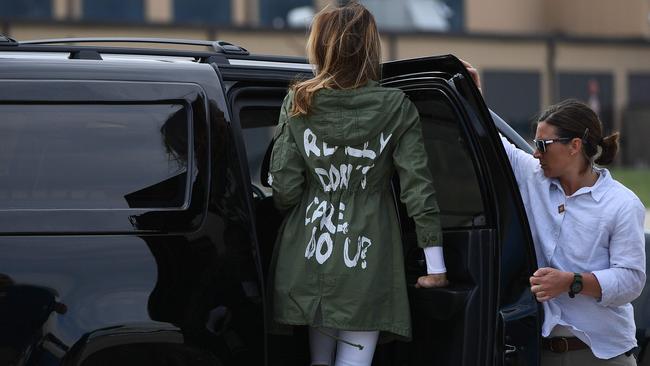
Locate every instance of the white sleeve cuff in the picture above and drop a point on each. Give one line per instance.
(435, 260)
(607, 284)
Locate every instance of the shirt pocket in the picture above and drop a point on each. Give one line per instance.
(588, 246)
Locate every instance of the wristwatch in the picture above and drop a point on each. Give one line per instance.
(576, 285)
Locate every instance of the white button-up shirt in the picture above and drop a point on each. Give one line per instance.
(598, 229)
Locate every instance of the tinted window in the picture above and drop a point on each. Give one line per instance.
(114, 10)
(258, 124)
(450, 161)
(26, 8)
(93, 156)
(202, 11)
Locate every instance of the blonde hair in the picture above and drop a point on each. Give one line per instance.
(344, 46)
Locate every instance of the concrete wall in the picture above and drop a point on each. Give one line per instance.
(603, 18)
(505, 16)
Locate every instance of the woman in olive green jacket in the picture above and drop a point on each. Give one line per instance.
(338, 263)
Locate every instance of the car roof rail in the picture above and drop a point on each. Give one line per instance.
(222, 47)
(7, 41)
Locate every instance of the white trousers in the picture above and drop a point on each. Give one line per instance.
(323, 347)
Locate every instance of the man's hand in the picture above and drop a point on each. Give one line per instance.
(547, 283)
(474, 73)
(432, 280)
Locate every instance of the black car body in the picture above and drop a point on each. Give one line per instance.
(135, 227)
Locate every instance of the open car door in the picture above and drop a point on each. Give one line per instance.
(487, 316)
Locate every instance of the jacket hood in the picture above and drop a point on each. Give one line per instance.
(353, 116)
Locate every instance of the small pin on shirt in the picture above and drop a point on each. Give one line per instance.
(560, 208)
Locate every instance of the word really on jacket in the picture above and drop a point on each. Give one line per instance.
(319, 213)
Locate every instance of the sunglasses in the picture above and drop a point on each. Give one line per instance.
(541, 144)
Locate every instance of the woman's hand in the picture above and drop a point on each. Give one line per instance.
(474, 73)
(432, 280)
(547, 283)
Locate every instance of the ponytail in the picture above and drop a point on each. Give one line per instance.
(609, 145)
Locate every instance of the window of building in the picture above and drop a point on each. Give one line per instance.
(635, 123)
(515, 96)
(419, 15)
(638, 87)
(27, 9)
(114, 10)
(594, 89)
(202, 11)
(273, 13)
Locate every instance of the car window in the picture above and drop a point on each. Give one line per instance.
(93, 156)
(450, 161)
(258, 125)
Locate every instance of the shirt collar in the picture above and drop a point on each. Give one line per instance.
(597, 190)
(602, 184)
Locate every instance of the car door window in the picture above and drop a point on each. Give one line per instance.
(258, 126)
(450, 162)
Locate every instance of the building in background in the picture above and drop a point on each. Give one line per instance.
(530, 53)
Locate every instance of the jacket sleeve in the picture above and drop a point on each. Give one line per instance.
(286, 168)
(417, 192)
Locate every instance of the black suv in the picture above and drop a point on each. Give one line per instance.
(136, 227)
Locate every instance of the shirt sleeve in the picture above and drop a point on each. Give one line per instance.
(624, 280)
(435, 260)
(287, 168)
(522, 163)
(417, 192)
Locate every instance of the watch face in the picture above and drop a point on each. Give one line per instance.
(576, 287)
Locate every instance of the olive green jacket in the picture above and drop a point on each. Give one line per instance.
(338, 257)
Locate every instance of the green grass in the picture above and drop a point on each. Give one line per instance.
(638, 180)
